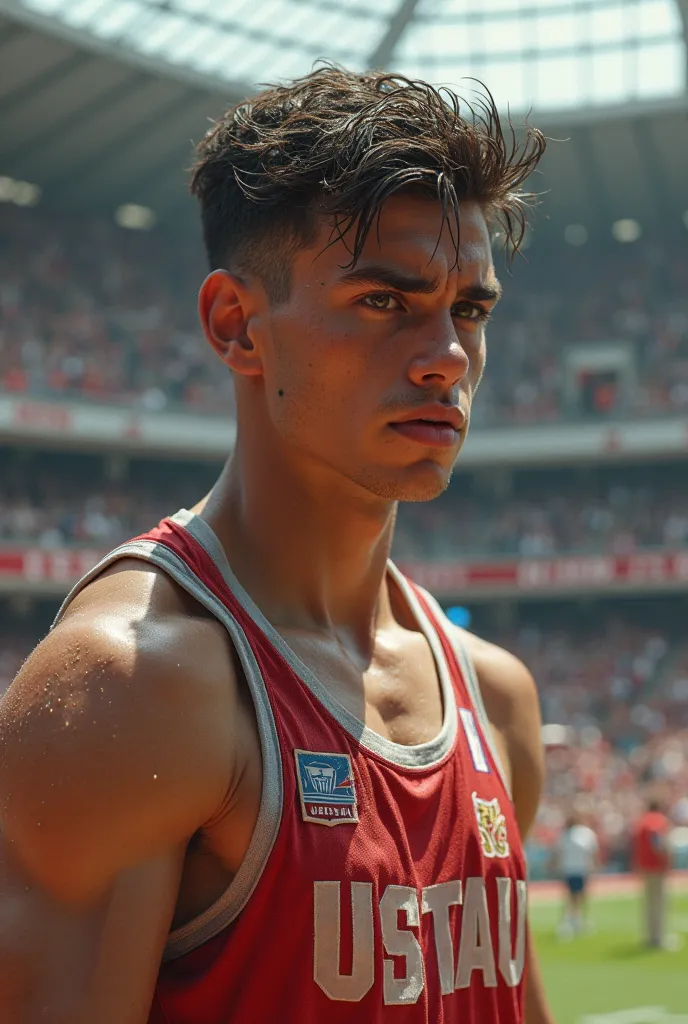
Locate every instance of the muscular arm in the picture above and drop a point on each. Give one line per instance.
(513, 709)
(113, 752)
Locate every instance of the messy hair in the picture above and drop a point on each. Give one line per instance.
(341, 143)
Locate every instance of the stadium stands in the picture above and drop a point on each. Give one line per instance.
(618, 510)
(90, 310)
(617, 675)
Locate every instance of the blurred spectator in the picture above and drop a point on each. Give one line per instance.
(652, 861)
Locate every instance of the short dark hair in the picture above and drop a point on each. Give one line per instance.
(345, 142)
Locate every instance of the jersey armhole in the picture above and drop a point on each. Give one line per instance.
(468, 670)
(230, 904)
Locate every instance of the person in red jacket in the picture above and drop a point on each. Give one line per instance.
(652, 859)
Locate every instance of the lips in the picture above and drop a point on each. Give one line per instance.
(436, 413)
(435, 426)
(431, 433)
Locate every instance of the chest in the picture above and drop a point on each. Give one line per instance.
(395, 693)
(401, 701)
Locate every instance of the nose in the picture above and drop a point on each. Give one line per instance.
(443, 361)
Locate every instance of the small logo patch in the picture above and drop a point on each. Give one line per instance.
(326, 788)
(492, 827)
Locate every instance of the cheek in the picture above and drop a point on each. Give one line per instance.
(311, 379)
(476, 351)
(320, 354)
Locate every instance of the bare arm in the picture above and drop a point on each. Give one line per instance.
(113, 752)
(513, 708)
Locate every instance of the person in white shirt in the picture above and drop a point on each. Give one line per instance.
(577, 857)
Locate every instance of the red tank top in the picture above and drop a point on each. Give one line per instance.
(378, 875)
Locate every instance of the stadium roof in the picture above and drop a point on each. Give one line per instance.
(100, 99)
(533, 53)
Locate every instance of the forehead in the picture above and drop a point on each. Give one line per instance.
(411, 233)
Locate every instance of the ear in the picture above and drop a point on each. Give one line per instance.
(225, 305)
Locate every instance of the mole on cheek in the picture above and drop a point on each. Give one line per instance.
(280, 393)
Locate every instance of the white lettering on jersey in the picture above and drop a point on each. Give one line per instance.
(475, 950)
(401, 942)
(327, 925)
(511, 969)
(437, 899)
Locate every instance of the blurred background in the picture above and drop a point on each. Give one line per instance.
(564, 534)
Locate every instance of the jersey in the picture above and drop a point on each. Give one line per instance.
(651, 848)
(379, 875)
(577, 849)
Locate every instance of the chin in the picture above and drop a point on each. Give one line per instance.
(421, 482)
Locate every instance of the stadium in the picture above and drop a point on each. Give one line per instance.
(563, 535)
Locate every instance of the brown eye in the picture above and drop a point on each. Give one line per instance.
(470, 311)
(381, 301)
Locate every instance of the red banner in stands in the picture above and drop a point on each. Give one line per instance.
(575, 574)
(33, 565)
(42, 416)
(56, 570)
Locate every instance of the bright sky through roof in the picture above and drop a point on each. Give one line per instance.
(548, 54)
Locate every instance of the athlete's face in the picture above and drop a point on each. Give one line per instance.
(372, 370)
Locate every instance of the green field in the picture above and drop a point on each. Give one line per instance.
(608, 972)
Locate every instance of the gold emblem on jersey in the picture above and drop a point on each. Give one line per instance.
(492, 827)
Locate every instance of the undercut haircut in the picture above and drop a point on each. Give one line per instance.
(339, 144)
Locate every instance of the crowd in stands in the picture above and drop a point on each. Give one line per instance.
(59, 500)
(563, 301)
(99, 521)
(611, 510)
(621, 691)
(609, 789)
(13, 649)
(91, 310)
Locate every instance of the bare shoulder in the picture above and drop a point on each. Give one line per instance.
(512, 706)
(115, 736)
(506, 684)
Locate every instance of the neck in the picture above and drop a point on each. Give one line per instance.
(309, 547)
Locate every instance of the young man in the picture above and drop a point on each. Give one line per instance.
(290, 790)
(577, 856)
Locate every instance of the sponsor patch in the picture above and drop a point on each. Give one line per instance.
(492, 827)
(326, 788)
(474, 742)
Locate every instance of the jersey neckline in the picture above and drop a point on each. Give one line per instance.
(421, 755)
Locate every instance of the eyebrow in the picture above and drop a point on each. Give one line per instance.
(416, 284)
(482, 292)
(390, 277)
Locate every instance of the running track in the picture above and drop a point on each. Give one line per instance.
(604, 885)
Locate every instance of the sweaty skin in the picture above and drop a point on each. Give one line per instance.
(130, 765)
